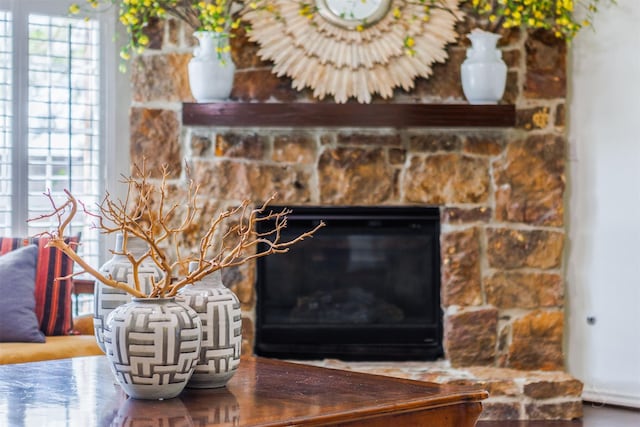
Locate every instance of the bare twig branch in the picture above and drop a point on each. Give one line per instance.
(149, 213)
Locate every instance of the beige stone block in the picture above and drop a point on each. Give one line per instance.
(510, 249)
(244, 52)
(502, 388)
(352, 176)
(444, 83)
(294, 148)
(460, 254)
(537, 341)
(446, 178)
(161, 77)
(501, 410)
(372, 139)
(530, 181)
(200, 145)
(240, 180)
(484, 144)
(493, 373)
(434, 142)
(174, 32)
(397, 156)
(453, 215)
(155, 32)
(512, 58)
(546, 72)
(553, 388)
(470, 337)
(241, 145)
(512, 89)
(524, 290)
(555, 411)
(151, 129)
(260, 84)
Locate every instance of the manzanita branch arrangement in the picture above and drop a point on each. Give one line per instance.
(229, 239)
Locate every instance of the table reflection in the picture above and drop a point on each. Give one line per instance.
(217, 407)
(152, 413)
(66, 391)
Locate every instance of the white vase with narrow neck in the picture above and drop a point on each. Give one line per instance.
(483, 73)
(210, 72)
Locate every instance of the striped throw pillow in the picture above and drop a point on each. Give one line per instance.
(53, 297)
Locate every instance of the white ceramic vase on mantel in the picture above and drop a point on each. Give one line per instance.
(483, 73)
(210, 72)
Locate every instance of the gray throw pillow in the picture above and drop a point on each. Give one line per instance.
(18, 321)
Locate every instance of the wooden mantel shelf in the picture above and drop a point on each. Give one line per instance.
(347, 115)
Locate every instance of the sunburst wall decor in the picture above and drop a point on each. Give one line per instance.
(349, 56)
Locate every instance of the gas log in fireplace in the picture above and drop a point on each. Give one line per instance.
(365, 287)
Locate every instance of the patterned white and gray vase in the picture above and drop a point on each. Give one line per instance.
(106, 298)
(153, 346)
(219, 309)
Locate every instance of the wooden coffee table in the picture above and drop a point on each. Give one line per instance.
(264, 392)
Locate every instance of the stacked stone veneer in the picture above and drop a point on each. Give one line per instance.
(500, 190)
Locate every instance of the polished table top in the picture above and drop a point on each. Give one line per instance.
(264, 392)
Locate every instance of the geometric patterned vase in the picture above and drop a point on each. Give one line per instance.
(153, 345)
(106, 298)
(219, 310)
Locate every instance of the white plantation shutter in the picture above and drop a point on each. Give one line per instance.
(52, 130)
(6, 116)
(63, 137)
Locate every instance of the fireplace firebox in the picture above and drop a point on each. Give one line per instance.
(365, 287)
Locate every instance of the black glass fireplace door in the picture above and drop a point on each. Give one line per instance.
(366, 287)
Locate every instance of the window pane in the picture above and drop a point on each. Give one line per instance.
(63, 127)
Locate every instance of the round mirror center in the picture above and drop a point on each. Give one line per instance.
(352, 14)
(353, 10)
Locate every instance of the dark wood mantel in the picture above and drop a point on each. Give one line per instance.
(347, 115)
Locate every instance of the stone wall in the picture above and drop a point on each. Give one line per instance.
(501, 191)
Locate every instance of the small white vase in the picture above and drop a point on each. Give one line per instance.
(106, 298)
(483, 73)
(152, 346)
(219, 311)
(210, 72)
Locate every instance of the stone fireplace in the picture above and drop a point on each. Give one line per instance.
(499, 191)
(500, 200)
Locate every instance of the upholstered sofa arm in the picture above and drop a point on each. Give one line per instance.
(83, 325)
(59, 347)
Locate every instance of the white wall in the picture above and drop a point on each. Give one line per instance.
(603, 272)
(118, 102)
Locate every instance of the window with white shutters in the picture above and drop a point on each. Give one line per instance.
(51, 116)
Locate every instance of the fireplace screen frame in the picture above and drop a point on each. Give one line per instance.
(355, 342)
